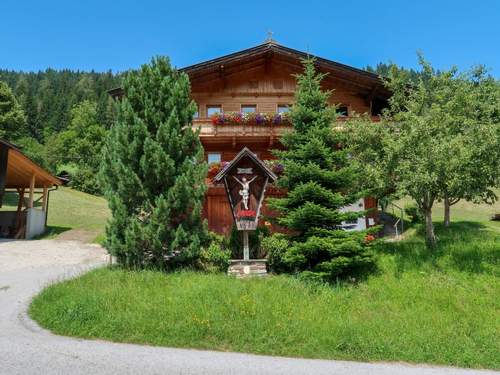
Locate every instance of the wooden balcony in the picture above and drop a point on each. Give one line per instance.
(244, 134)
(236, 134)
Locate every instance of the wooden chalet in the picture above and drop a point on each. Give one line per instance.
(261, 80)
(19, 174)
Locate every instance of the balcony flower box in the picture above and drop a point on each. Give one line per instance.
(239, 118)
(246, 215)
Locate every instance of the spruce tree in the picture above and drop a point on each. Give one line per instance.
(153, 172)
(320, 180)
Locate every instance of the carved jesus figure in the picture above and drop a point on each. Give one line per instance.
(245, 189)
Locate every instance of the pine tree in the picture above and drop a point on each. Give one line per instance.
(320, 180)
(153, 172)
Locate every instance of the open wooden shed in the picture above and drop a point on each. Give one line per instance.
(19, 174)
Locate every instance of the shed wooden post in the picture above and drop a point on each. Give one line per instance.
(20, 192)
(32, 191)
(44, 198)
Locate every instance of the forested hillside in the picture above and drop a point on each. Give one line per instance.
(59, 118)
(47, 97)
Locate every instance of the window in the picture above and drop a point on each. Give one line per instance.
(283, 108)
(343, 110)
(213, 109)
(248, 108)
(214, 157)
(197, 113)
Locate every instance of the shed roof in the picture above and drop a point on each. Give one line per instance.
(20, 170)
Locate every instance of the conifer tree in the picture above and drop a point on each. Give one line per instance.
(153, 172)
(320, 180)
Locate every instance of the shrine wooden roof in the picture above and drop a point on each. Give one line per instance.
(245, 152)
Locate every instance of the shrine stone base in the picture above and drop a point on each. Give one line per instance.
(247, 268)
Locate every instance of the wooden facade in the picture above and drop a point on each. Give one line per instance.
(262, 79)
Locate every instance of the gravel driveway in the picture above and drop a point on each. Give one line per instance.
(26, 266)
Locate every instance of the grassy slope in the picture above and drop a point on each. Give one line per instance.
(70, 209)
(439, 307)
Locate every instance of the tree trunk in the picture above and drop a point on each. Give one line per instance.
(447, 218)
(430, 237)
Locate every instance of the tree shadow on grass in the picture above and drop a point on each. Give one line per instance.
(465, 246)
(53, 231)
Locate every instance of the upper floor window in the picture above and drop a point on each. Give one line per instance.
(213, 109)
(214, 157)
(283, 108)
(343, 110)
(248, 108)
(197, 113)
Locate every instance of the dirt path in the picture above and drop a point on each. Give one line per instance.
(27, 266)
(80, 235)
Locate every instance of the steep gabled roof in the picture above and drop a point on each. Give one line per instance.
(273, 47)
(368, 84)
(271, 52)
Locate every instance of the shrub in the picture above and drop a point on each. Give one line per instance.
(275, 247)
(414, 213)
(215, 257)
(86, 180)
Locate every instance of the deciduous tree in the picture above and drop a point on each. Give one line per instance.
(12, 118)
(438, 140)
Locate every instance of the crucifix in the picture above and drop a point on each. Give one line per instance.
(245, 191)
(270, 36)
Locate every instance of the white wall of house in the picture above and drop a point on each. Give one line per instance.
(35, 222)
(360, 223)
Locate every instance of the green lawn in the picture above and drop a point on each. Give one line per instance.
(464, 211)
(70, 209)
(437, 307)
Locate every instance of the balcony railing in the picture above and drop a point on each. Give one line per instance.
(209, 129)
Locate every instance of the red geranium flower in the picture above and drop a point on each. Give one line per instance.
(369, 238)
(246, 214)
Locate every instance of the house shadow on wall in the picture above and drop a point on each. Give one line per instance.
(465, 246)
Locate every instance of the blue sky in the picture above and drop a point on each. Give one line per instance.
(123, 34)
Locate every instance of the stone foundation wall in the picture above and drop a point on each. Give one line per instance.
(247, 268)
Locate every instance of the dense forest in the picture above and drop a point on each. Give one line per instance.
(383, 70)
